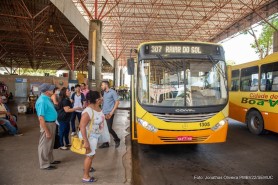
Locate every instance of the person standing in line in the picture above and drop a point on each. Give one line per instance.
(84, 89)
(47, 116)
(110, 104)
(64, 115)
(72, 90)
(78, 99)
(54, 97)
(91, 135)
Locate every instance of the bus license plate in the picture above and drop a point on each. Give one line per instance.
(184, 138)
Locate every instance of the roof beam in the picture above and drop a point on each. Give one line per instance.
(265, 11)
(74, 16)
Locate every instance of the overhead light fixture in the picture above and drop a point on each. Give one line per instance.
(47, 41)
(50, 29)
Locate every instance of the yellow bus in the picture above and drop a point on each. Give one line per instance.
(179, 93)
(254, 94)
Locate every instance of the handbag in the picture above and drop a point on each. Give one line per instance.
(77, 144)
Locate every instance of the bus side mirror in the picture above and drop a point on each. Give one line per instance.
(130, 66)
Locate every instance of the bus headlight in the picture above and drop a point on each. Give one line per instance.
(147, 125)
(218, 125)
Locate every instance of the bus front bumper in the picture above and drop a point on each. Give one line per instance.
(177, 137)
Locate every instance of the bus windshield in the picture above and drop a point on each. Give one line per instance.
(182, 82)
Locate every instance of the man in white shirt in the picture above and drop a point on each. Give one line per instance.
(78, 100)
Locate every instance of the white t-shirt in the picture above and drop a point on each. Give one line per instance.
(98, 123)
(77, 102)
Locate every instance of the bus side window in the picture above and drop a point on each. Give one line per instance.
(249, 79)
(245, 85)
(268, 85)
(274, 86)
(235, 80)
(254, 85)
(269, 77)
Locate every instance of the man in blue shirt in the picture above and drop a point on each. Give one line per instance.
(47, 116)
(110, 104)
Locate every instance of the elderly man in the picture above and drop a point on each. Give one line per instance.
(47, 116)
(5, 115)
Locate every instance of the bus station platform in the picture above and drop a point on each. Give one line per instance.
(20, 165)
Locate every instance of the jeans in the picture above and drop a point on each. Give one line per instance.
(111, 131)
(64, 128)
(12, 130)
(72, 121)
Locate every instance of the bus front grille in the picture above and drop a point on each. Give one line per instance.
(175, 139)
(178, 118)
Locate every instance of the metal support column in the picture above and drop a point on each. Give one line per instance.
(121, 77)
(94, 56)
(116, 73)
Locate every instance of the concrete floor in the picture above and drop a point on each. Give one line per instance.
(244, 154)
(19, 158)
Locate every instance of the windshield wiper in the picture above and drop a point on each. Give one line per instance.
(220, 70)
(165, 63)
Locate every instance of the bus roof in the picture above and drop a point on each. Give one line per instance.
(268, 59)
(174, 41)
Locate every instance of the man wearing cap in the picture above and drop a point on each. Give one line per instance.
(47, 116)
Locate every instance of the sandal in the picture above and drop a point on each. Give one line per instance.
(90, 180)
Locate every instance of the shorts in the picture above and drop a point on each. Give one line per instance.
(93, 140)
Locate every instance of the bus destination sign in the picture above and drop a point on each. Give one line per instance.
(181, 49)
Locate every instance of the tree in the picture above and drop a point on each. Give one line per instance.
(263, 44)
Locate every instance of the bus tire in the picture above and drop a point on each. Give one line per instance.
(255, 122)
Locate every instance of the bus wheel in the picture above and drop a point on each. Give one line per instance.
(255, 123)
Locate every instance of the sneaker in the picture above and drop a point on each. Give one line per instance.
(73, 133)
(104, 145)
(63, 148)
(117, 143)
(18, 134)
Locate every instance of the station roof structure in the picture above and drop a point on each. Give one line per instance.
(34, 33)
(127, 23)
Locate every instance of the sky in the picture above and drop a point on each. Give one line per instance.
(238, 48)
